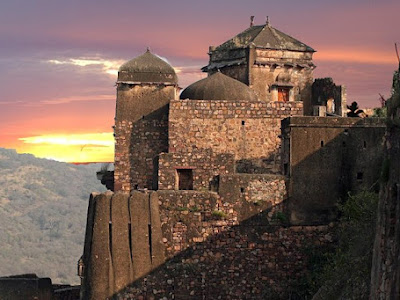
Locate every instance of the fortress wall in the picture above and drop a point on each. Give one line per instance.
(123, 242)
(251, 261)
(325, 159)
(249, 130)
(129, 236)
(206, 165)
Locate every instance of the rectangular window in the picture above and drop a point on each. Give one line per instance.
(283, 94)
(185, 179)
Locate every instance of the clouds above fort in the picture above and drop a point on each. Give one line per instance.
(59, 59)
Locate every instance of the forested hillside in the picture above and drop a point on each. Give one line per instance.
(43, 207)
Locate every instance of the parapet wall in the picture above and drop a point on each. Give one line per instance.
(325, 158)
(249, 130)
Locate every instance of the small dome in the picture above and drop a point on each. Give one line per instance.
(218, 87)
(147, 68)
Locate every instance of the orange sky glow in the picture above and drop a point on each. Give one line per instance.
(59, 59)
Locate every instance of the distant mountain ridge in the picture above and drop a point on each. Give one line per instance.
(43, 205)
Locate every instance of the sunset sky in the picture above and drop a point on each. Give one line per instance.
(58, 59)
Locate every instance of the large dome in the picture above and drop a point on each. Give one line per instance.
(218, 87)
(147, 68)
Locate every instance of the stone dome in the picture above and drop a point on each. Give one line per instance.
(218, 87)
(147, 68)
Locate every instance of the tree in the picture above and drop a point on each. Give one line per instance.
(354, 110)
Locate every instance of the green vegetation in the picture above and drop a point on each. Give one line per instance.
(345, 273)
(394, 101)
(281, 218)
(43, 206)
(218, 214)
(380, 112)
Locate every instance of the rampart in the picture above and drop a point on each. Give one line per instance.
(325, 158)
(128, 237)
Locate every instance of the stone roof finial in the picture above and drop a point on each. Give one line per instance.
(267, 21)
(147, 49)
(251, 21)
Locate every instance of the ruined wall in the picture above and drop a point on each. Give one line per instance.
(323, 90)
(249, 130)
(141, 132)
(327, 157)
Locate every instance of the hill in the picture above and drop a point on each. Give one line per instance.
(43, 207)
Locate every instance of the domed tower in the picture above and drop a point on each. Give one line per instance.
(145, 86)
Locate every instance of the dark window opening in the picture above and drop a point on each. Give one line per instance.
(365, 144)
(185, 179)
(243, 123)
(360, 176)
(344, 144)
(322, 143)
(242, 190)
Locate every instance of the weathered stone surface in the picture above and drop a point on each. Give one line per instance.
(141, 257)
(99, 263)
(242, 262)
(327, 157)
(249, 130)
(120, 246)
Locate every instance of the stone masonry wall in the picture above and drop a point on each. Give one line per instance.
(129, 236)
(249, 130)
(137, 144)
(335, 155)
(206, 165)
(250, 261)
(249, 194)
(140, 122)
(385, 272)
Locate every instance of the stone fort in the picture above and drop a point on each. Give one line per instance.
(218, 190)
